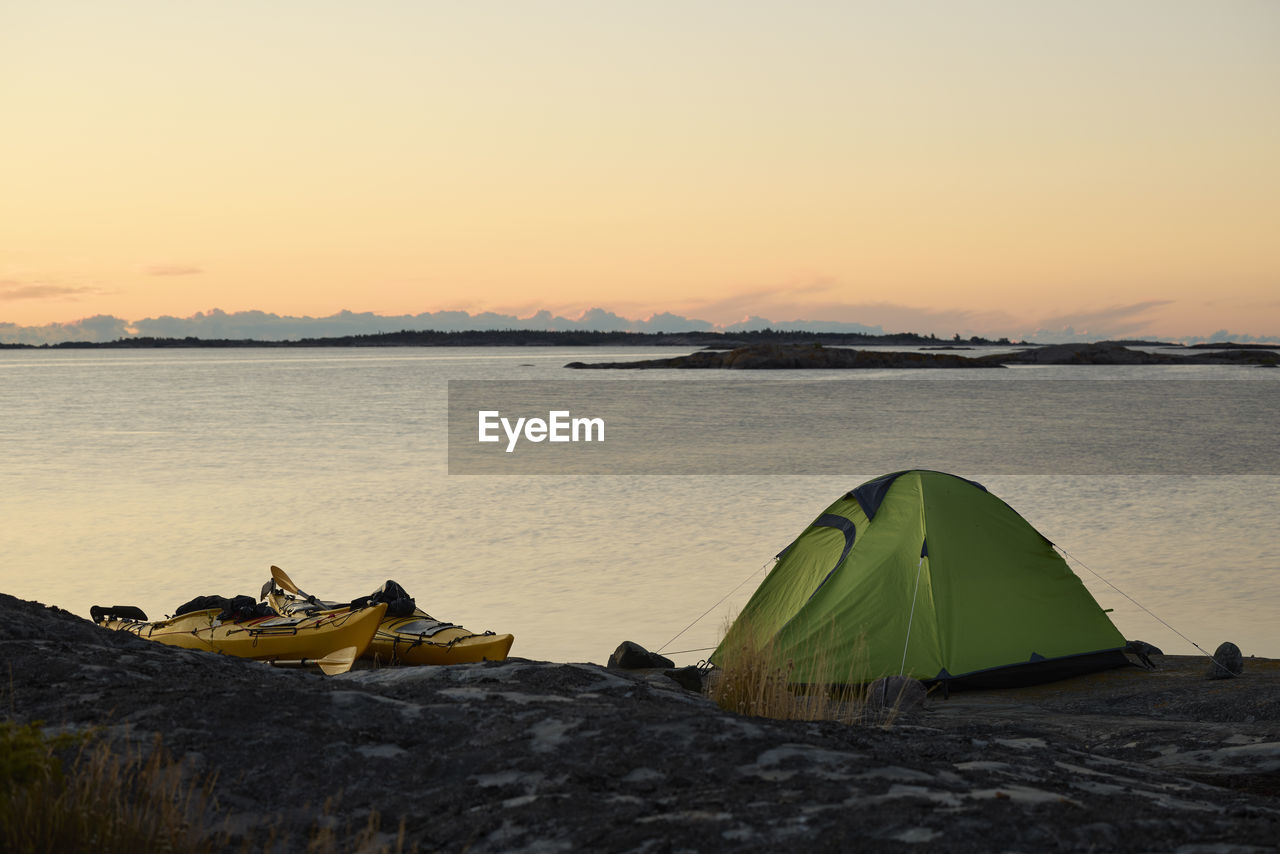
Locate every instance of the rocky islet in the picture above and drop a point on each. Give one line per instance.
(815, 356)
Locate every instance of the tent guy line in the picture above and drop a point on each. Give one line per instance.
(912, 617)
(712, 608)
(1149, 612)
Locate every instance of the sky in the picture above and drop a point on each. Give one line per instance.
(986, 166)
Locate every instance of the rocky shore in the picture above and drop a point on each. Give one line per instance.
(798, 356)
(540, 756)
(815, 356)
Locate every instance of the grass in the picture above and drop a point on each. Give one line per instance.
(755, 678)
(324, 839)
(75, 792)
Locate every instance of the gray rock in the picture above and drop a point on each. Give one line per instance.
(689, 678)
(632, 656)
(1227, 662)
(526, 755)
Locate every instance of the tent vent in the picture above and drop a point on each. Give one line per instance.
(872, 493)
(844, 526)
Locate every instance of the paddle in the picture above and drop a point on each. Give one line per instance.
(286, 583)
(309, 604)
(338, 661)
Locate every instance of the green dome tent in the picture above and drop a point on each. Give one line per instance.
(927, 574)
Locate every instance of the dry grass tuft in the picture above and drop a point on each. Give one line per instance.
(76, 793)
(368, 840)
(105, 802)
(754, 678)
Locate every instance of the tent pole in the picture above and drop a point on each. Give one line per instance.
(911, 617)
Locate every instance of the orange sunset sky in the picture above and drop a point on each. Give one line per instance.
(992, 166)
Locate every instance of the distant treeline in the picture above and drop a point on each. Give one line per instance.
(530, 338)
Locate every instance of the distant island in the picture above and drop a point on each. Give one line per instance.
(536, 338)
(754, 349)
(815, 356)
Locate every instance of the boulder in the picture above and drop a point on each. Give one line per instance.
(689, 678)
(1227, 662)
(632, 656)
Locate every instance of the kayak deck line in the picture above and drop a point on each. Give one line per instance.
(410, 637)
(320, 640)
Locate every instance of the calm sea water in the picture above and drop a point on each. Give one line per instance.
(149, 477)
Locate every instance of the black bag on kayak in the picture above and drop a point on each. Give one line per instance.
(399, 602)
(245, 608)
(102, 613)
(236, 608)
(201, 603)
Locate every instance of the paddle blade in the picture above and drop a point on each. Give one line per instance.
(286, 583)
(338, 661)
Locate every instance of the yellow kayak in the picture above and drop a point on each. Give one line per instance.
(422, 639)
(405, 638)
(331, 640)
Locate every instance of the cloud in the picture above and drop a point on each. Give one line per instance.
(877, 318)
(667, 322)
(100, 327)
(173, 270)
(259, 325)
(12, 291)
(1222, 336)
(777, 301)
(795, 307)
(1128, 316)
(809, 304)
(265, 326)
(822, 304)
(1118, 321)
